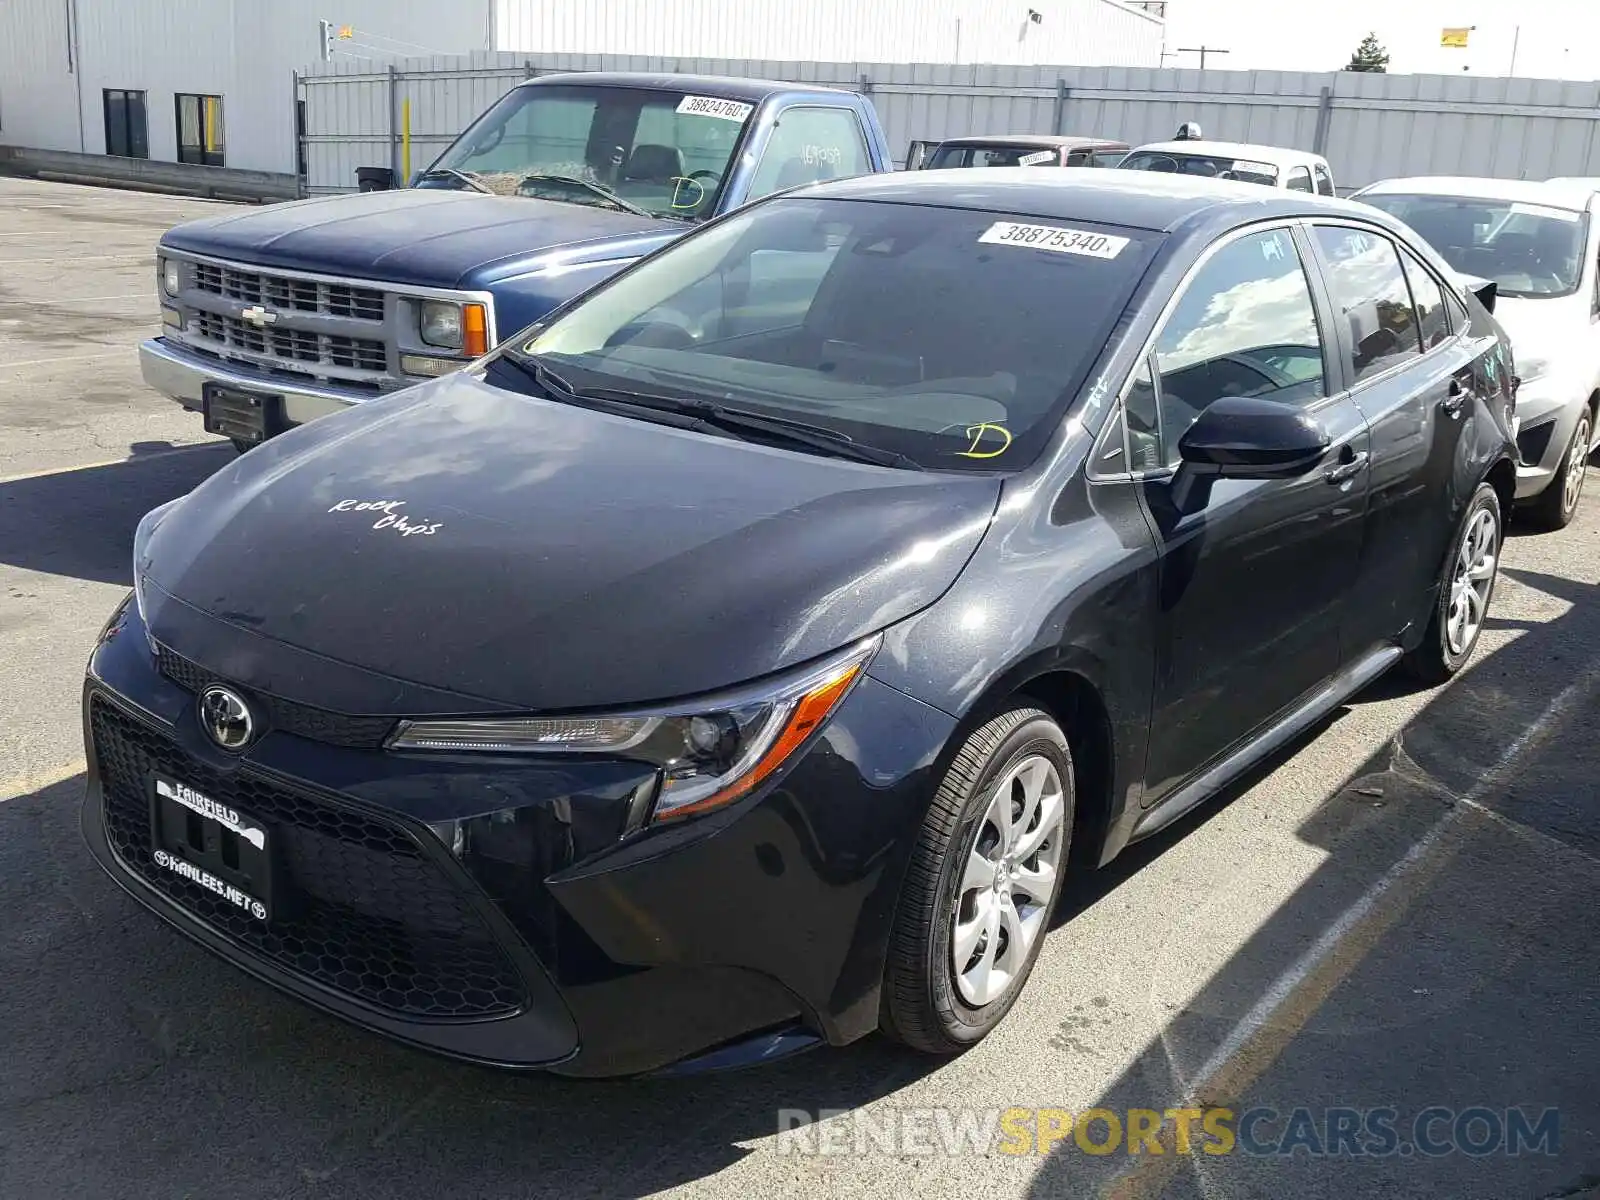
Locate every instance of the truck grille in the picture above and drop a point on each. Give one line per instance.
(295, 345)
(282, 292)
(361, 908)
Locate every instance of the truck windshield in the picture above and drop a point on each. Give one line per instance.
(1207, 165)
(953, 337)
(992, 156)
(662, 153)
(1529, 250)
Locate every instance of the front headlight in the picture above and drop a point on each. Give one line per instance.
(1531, 369)
(709, 754)
(141, 549)
(442, 324)
(170, 280)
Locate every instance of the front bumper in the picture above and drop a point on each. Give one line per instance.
(594, 953)
(181, 373)
(1546, 420)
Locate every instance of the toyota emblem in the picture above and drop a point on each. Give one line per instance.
(226, 718)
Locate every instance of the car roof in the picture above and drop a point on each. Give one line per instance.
(1043, 140)
(1278, 155)
(1132, 199)
(1588, 182)
(727, 87)
(1528, 191)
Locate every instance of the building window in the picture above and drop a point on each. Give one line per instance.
(200, 129)
(126, 133)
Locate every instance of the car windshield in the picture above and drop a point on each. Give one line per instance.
(661, 152)
(1529, 250)
(992, 156)
(952, 337)
(1209, 166)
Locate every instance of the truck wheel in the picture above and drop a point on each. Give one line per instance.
(1558, 503)
(983, 880)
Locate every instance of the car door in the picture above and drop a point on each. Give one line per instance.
(1412, 377)
(1252, 585)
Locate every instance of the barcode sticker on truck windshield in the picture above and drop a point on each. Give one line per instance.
(1053, 237)
(711, 106)
(1038, 156)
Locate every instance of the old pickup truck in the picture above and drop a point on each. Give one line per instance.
(273, 317)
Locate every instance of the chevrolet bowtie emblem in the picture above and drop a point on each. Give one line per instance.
(258, 316)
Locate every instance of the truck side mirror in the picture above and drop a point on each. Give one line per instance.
(375, 179)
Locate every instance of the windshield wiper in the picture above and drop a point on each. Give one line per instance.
(706, 416)
(557, 388)
(462, 176)
(597, 189)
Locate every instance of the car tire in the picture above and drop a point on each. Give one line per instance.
(1458, 618)
(1019, 764)
(1558, 503)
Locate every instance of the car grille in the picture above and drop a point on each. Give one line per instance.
(280, 292)
(359, 907)
(293, 345)
(317, 724)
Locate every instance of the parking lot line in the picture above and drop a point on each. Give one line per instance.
(39, 362)
(1264, 1032)
(77, 258)
(110, 462)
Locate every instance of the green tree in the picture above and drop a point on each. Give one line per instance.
(1369, 56)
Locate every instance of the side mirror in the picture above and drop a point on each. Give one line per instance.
(1242, 437)
(1487, 292)
(375, 179)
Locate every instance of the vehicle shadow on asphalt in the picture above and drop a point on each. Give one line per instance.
(79, 524)
(1465, 881)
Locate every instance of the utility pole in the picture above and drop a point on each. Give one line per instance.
(1202, 51)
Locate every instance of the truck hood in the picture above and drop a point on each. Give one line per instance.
(427, 237)
(465, 548)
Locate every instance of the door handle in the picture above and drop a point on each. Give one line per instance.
(1456, 399)
(1350, 465)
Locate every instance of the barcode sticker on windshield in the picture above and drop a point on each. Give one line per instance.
(1540, 210)
(711, 106)
(1053, 237)
(1038, 156)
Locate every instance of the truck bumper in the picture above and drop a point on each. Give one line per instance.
(181, 374)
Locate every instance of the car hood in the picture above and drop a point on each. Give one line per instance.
(420, 236)
(501, 551)
(1543, 328)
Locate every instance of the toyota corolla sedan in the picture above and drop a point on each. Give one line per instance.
(1540, 244)
(743, 658)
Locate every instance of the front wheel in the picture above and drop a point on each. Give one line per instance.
(1465, 589)
(983, 881)
(1558, 503)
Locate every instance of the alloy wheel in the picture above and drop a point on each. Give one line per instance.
(1007, 880)
(1577, 467)
(1472, 581)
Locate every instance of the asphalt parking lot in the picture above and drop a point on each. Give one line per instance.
(1401, 913)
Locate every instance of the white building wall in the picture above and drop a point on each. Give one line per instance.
(245, 51)
(1096, 32)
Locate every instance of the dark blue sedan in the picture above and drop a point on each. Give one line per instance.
(744, 656)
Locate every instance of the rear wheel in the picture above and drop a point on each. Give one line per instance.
(1558, 503)
(983, 881)
(1465, 589)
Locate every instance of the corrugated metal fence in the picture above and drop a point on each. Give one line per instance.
(1370, 127)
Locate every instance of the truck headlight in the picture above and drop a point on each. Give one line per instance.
(170, 280)
(708, 754)
(452, 326)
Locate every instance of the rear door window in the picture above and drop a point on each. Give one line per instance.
(809, 145)
(1299, 179)
(1369, 292)
(1428, 298)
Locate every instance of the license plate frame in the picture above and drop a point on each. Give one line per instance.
(212, 845)
(241, 414)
